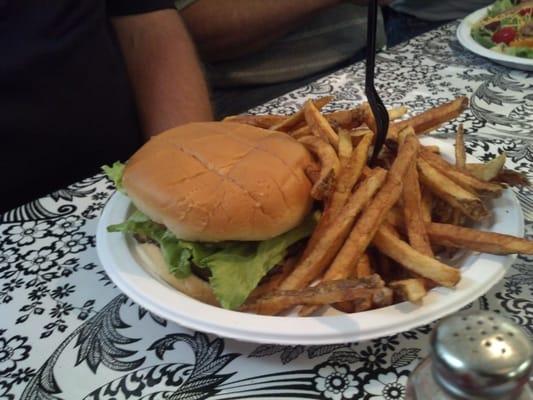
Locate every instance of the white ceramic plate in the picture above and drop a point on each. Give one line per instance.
(465, 38)
(480, 272)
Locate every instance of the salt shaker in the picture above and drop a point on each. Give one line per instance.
(475, 356)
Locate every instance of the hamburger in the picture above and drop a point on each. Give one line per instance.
(218, 206)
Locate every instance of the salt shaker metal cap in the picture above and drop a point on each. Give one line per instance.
(481, 355)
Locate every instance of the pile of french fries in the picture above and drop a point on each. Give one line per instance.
(383, 228)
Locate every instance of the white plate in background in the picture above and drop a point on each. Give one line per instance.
(465, 38)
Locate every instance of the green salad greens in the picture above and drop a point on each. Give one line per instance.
(507, 28)
(500, 6)
(114, 173)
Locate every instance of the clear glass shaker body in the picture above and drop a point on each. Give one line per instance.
(422, 386)
(475, 356)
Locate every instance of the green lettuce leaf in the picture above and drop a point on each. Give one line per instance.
(236, 267)
(482, 36)
(500, 6)
(178, 254)
(115, 173)
(139, 224)
(525, 52)
(236, 270)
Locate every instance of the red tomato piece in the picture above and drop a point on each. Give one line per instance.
(504, 35)
(526, 11)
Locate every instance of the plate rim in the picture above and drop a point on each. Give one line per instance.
(320, 330)
(464, 37)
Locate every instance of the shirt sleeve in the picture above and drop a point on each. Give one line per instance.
(182, 4)
(117, 8)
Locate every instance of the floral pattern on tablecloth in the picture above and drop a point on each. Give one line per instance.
(67, 332)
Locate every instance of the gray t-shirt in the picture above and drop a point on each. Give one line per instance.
(332, 36)
(438, 10)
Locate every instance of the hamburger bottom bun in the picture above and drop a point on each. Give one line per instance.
(152, 260)
(217, 181)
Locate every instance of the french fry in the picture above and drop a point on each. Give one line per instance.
(363, 267)
(297, 117)
(409, 289)
(404, 133)
(301, 132)
(472, 239)
(349, 175)
(329, 163)
(427, 267)
(368, 115)
(380, 298)
(312, 171)
(317, 258)
(260, 121)
(361, 270)
(363, 232)
(345, 146)
(512, 178)
(323, 293)
(462, 178)
(433, 149)
(449, 191)
(395, 217)
(340, 227)
(427, 205)
(324, 186)
(273, 282)
(460, 162)
(397, 112)
(383, 266)
(489, 170)
(460, 151)
(494, 170)
(347, 119)
(348, 307)
(430, 119)
(442, 211)
(412, 209)
(394, 113)
(367, 225)
(415, 226)
(358, 133)
(319, 125)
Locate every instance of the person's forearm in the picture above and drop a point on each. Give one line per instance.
(223, 29)
(164, 70)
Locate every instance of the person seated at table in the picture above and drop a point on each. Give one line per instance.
(405, 19)
(277, 44)
(84, 82)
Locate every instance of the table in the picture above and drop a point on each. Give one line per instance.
(67, 332)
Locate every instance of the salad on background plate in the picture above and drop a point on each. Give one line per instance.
(507, 28)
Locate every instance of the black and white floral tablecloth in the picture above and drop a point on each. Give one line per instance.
(66, 332)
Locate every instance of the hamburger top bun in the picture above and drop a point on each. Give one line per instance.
(216, 181)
